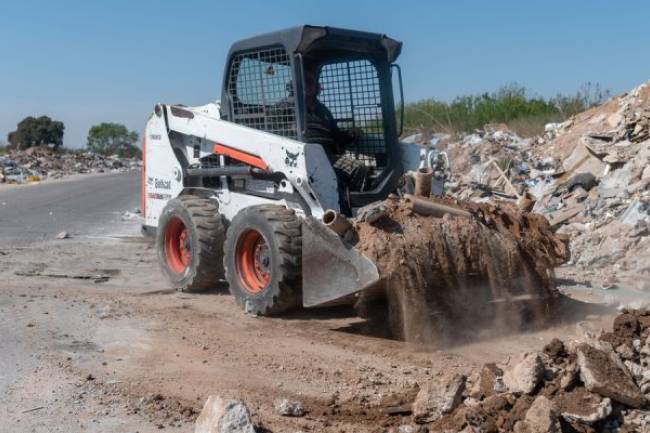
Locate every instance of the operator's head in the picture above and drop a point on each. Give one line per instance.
(312, 87)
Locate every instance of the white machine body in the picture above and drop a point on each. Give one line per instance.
(193, 134)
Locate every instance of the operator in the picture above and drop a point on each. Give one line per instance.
(321, 128)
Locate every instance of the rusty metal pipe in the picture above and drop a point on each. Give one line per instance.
(336, 222)
(423, 178)
(429, 208)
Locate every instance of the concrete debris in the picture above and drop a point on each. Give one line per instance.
(604, 152)
(41, 163)
(224, 416)
(602, 394)
(583, 406)
(605, 374)
(542, 417)
(524, 376)
(437, 398)
(286, 407)
(490, 382)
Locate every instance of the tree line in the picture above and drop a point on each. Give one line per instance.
(105, 138)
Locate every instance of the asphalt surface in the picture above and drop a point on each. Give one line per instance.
(90, 205)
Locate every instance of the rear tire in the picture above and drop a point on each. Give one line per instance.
(190, 240)
(263, 257)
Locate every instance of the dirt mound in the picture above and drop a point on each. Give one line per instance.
(441, 275)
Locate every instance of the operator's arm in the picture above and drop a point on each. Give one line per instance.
(341, 137)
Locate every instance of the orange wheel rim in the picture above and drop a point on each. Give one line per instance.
(177, 246)
(253, 261)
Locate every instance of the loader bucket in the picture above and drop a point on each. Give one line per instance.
(331, 268)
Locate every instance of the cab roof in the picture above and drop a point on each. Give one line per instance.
(309, 40)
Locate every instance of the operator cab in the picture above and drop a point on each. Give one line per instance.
(264, 88)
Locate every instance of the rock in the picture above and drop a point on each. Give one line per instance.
(542, 417)
(636, 420)
(290, 408)
(524, 376)
(583, 406)
(490, 381)
(437, 398)
(602, 374)
(569, 376)
(406, 428)
(224, 416)
(555, 349)
(635, 213)
(626, 326)
(471, 429)
(63, 235)
(625, 351)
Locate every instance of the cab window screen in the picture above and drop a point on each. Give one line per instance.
(352, 92)
(261, 91)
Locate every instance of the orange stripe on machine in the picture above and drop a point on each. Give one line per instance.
(245, 157)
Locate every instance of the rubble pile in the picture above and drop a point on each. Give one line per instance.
(40, 163)
(590, 176)
(598, 385)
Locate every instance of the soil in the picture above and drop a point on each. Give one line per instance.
(444, 277)
(126, 353)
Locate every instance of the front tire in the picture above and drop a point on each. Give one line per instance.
(190, 240)
(262, 259)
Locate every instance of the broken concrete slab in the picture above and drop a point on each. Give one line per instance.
(580, 405)
(637, 212)
(565, 214)
(543, 416)
(601, 374)
(524, 376)
(437, 398)
(224, 416)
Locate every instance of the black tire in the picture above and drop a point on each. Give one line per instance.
(276, 231)
(204, 240)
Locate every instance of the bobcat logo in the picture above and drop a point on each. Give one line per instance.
(291, 159)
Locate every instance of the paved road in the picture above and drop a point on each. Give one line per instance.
(88, 205)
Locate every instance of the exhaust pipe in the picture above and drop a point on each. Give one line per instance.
(423, 179)
(429, 208)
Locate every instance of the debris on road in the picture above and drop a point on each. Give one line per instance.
(63, 235)
(97, 278)
(224, 416)
(286, 407)
(41, 163)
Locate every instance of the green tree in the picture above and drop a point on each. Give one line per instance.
(113, 139)
(37, 131)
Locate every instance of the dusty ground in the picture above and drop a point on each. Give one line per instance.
(121, 352)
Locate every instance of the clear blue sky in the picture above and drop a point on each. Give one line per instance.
(85, 62)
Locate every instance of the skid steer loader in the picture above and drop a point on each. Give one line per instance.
(239, 189)
(233, 190)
